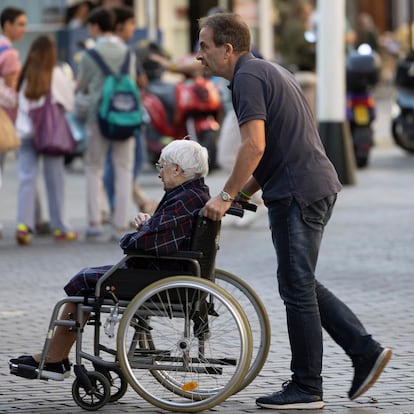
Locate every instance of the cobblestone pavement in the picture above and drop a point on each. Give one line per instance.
(366, 258)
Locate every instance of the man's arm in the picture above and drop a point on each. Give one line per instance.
(250, 153)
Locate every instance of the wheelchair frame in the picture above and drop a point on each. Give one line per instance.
(181, 375)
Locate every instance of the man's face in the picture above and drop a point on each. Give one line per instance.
(16, 30)
(212, 57)
(126, 29)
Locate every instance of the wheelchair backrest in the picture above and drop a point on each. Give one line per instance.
(206, 238)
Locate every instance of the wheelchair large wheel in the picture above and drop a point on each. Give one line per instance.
(95, 398)
(256, 314)
(184, 344)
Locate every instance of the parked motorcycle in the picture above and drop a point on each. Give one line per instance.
(403, 109)
(176, 110)
(362, 73)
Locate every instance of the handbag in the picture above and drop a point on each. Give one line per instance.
(8, 137)
(52, 134)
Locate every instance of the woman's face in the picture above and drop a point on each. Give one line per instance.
(170, 174)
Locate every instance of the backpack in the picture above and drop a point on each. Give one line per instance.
(120, 111)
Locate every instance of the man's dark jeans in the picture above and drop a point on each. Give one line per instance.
(297, 235)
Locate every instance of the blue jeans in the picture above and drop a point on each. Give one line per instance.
(297, 235)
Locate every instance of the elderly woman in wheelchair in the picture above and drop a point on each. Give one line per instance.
(182, 167)
(184, 328)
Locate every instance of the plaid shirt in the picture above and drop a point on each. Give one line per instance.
(170, 227)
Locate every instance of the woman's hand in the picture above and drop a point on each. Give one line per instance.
(140, 219)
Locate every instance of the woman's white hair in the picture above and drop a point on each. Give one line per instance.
(189, 155)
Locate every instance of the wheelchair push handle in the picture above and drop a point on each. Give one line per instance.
(239, 211)
(245, 205)
(235, 211)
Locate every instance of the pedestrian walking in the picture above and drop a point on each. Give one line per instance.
(124, 29)
(40, 75)
(281, 153)
(113, 51)
(13, 27)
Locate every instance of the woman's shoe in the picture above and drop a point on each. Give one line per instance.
(59, 235)
(51, 370)
(23, 235)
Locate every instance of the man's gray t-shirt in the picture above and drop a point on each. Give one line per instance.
(294, 164)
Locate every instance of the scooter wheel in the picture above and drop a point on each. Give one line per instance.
(361, 161)
(401, 137)
(94, 398)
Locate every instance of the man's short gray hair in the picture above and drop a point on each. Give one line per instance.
(189, 155)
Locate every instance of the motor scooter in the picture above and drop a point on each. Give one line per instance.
(188, 108)
(402, 114)
(362, 73)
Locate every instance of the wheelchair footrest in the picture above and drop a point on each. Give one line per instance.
(25, 371)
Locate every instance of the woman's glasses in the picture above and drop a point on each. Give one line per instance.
(160, 166)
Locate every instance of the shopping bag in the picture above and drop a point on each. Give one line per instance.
(52, 135)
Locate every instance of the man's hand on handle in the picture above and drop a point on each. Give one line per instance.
(216, 208)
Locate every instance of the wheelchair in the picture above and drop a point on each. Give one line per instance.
(182, 330)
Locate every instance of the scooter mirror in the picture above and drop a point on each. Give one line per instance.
(310, 36)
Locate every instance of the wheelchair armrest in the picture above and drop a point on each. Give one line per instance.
(188, 254)
(141, 253)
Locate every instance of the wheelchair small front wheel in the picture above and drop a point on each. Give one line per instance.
(94, 397)
(117, 381)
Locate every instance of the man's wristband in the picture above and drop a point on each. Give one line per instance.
(245, 195)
